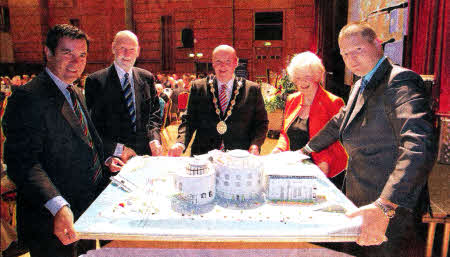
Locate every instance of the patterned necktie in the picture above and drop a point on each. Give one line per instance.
(129, 100)
(223, 99)
(77, 109)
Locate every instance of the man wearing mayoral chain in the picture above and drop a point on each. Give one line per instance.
(226, 111)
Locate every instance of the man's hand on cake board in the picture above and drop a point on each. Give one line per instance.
(114, 164)
(254, 149)
(63, 226)
(156, 148)
(374, 222)
(127, 154)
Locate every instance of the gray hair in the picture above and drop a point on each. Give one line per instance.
(308, 61)
(159, 87)
(125, 33)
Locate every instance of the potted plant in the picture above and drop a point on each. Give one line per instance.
(275, 100)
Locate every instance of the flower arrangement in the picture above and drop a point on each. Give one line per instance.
(277, 94)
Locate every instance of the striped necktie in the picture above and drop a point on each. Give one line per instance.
(223, 99)
(82, 121)
(129, 100)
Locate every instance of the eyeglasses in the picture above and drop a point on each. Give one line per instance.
(224, 62)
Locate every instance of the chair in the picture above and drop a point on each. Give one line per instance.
(182, 101)
(440, 210)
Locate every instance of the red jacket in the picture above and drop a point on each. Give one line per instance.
(324, 106)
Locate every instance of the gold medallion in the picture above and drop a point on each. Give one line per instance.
(221, 127)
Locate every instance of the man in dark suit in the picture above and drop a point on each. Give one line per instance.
(52, 151)
(227, 112)
(387, 131)
(123, 103)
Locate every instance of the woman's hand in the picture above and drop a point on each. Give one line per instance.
(323, 166)
(276, 150)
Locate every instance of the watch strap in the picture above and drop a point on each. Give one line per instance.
(307, 150)
(387, 210)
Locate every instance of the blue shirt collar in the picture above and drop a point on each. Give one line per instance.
(369, 75)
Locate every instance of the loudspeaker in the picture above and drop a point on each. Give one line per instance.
(187, 38)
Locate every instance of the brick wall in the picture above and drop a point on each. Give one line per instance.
(213, 22)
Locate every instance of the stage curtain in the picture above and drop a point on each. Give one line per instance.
(429, 45)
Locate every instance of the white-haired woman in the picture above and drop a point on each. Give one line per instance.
(307, 111)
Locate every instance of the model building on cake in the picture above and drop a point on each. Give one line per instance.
(196, 184)
(291, 188)
(238, 175)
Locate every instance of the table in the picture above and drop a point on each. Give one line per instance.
(154, 214)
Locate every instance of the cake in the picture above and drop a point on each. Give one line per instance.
(291, 188)
(289, 182)
(196, 183)
(238, 175)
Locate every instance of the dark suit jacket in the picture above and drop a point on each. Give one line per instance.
(47, 155)
(247, 124)
(388, 134)
(107, 105)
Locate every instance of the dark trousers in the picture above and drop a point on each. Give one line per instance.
(53, 247)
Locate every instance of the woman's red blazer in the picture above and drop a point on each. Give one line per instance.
(324, 106)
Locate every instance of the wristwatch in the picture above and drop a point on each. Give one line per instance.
(388, 210)
(307, 150)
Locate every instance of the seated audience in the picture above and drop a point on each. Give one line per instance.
(159, 91)
(25, 79)
(16, 81)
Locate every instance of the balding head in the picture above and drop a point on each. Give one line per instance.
(125, 34)
(125, 48)
(225, 61)
(224, 48)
